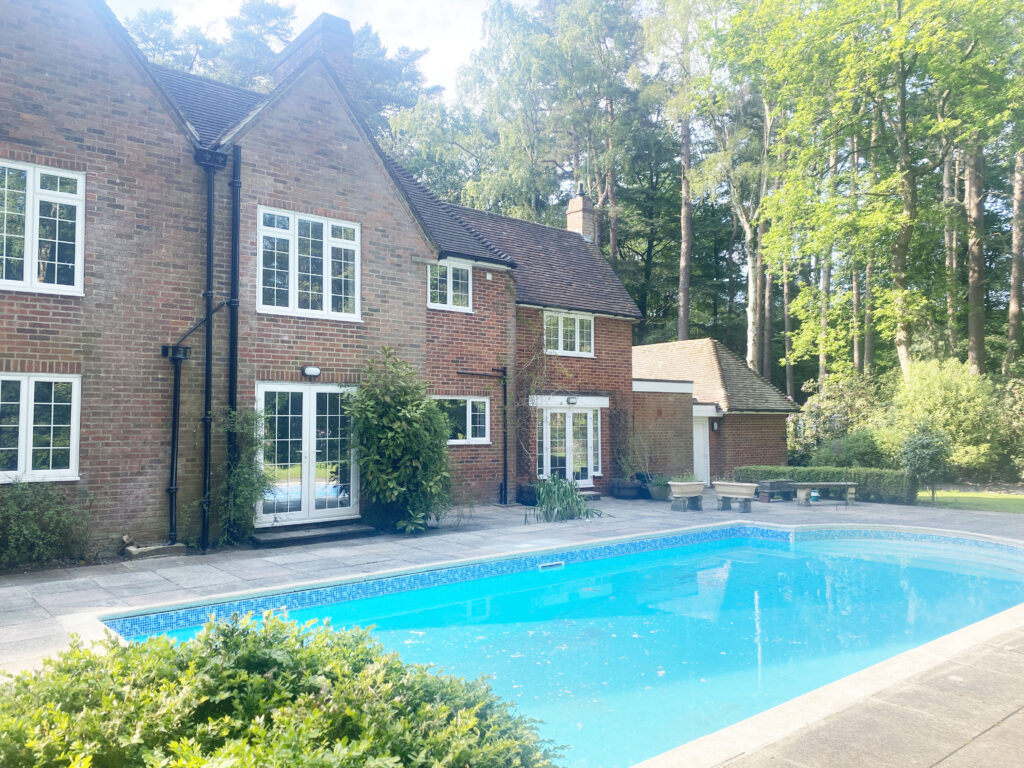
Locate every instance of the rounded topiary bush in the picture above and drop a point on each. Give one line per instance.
(246, 693)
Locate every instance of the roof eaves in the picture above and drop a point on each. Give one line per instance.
(719, 375)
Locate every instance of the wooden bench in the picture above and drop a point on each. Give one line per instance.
(803, 491)
(742, 492)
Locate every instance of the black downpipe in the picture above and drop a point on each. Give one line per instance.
(236, 209)
(177, 354)
(499, 373)
(210, 161)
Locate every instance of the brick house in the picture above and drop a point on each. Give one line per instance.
(267, 247)
(738, 417)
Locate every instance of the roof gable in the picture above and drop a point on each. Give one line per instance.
(718, 374)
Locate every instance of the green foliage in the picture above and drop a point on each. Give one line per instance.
(884, 485)
(925, 456)
(686, 477)
(402, 436)
(657, 480)
(855, 449)
(244, 481)
(843, 405)
(244, 693)
(41, 523)
(558, 500)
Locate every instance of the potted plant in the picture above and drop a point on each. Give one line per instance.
(625, 485)
(686, 485)
(657, 486)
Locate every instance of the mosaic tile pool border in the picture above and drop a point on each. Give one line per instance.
(137, 625)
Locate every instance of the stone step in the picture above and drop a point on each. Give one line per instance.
(590, 495)
(310, 533)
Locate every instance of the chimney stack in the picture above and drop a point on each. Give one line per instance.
(328, 36)
(580, 218)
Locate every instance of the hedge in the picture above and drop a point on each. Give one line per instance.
(886, 485)
(243, 693)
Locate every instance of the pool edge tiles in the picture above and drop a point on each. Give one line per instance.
(158, 619)
(155, 620)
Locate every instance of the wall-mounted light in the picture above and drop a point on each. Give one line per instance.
(714, 426)
(571, 400)
(310, 371)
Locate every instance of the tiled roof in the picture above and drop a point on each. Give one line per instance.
(718, 375)
(212, 108)
(555, 267)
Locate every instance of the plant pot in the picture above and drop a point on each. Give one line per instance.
(681, 490)
(624, 489)
(658, 492)
(735, 490)
(526, 495)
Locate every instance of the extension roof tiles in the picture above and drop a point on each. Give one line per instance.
(718, 374)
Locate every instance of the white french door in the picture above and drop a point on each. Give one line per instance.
(569, 444)
(307, 448)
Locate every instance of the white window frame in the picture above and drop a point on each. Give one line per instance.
(486, 439)
(593, 441)
(451, 264)
(34, 194)
(564, 317)
(292, 235)
(24, 473)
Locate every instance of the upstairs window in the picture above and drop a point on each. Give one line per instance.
(450, 286)
(39, 417)
(42, 212)
(469, 418)
(309, 266)
(569, 334)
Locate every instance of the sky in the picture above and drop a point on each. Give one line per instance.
(450, 29)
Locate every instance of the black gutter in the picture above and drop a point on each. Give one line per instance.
(499, 373)
(210, 161)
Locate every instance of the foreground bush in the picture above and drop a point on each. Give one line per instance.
(40, 523)
(884, 485)
(270, 695)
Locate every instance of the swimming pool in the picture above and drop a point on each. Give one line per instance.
(628, 649)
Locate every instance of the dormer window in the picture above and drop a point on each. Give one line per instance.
(570, 334)
(450, 286)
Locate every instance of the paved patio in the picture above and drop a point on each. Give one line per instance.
(956, 702)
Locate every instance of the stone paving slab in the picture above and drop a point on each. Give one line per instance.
(957, 702)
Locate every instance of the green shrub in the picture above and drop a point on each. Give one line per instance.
(402, 435)
(856, 449)
(41, 523)
(558, 500)
(245, 482)
(885, 485)
(244, 693)
(925, 456)
(686, 477)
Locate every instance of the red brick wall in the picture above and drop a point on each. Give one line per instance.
(72, 98)
(476, 343)
(744, 439)
(664, 423)
(609, 373)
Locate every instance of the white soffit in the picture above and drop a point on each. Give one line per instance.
(706, 410)
(663, 385)
(562, 401)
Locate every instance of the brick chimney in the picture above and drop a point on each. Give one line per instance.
(329, 36)
(579, 217)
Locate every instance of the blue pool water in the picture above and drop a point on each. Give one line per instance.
(627, 656)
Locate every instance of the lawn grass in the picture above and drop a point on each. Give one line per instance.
(984, 501)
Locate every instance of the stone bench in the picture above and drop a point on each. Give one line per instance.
(803, 491)
(768, 488)
(742, 492)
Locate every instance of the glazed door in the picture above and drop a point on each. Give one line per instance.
(566, 444)
(308, 451)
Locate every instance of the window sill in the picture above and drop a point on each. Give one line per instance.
(10, 477)
(306, 314)
(555, 353)
(67, 290)
(446, 308)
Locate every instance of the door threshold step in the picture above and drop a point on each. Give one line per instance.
(591, 495)
(310, 534)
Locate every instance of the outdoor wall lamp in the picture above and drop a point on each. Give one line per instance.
(310, 371)
(714, 426)
(571, 400)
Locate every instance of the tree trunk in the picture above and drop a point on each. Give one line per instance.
(973, 202)
(753, 298)
(858, 363)
(766, 353)
(613, 211)
(826, 292)
(685, 234)
(787, 320)
(869, 343)
(900, 250)
(1013, 347)
(949, 239)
